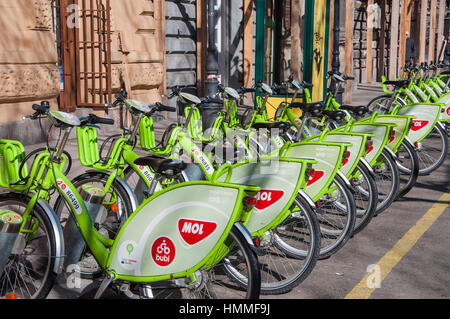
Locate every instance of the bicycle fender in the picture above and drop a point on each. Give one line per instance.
(248, 238)
(438, 123)
(56, 226)
(308, 199)
(367, 165)
(346, 181)
(394, 156)
(130, 193)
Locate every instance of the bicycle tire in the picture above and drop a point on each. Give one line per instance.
(336, 232)
(294, 250)
(409, 173)
(37, 257)
(379, 103)
(366, 198)
(427, 162)
(386, 170)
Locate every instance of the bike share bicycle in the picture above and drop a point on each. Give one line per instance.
(385, 145)
(428, 134)
(327, 186)
(186, 264)
(339, 197)
(285, 224)
(355, 168)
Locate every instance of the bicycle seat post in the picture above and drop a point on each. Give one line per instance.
(63, 143)
(135, 123)
(155, 181)
(301, 129)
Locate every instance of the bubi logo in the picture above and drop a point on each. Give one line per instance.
(194, 231)
(418, 124)
(163, 251)
(317, 176)
(267, 197)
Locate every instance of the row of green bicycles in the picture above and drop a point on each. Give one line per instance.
(236, 205)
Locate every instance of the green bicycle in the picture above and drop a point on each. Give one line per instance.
(159, 251)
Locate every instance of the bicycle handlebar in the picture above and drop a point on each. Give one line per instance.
(94, 119)
(160, 107)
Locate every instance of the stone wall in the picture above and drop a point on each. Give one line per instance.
(28, 58)
(28, 71)
(137, 51)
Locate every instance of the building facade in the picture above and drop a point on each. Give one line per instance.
(78, 53)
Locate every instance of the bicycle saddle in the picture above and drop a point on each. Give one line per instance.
(278, 125)
(399, 84)
(356, 109)
(161, 164)
(335, 115)
(313, 108)
(445, 72)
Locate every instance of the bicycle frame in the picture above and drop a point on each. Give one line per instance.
(107, 251)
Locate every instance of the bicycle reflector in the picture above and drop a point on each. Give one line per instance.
(250, 202)
(392, 133)
(310, 172)
(369, 144)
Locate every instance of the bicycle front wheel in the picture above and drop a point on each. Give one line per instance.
(365, 195)
(28, 272)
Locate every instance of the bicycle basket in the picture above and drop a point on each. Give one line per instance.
(87, 146)
(88, 151)
(12, 153)
(147, 133)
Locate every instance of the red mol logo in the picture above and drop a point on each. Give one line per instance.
(267, 197)
(448, 111)
(418, 124)
(194, 231)
(163, 251)
(317, 176)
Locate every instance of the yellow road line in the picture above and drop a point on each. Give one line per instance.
(363, 290)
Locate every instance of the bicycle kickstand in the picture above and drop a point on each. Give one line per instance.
(105, 283)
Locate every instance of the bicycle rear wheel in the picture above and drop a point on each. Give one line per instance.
(237, 276)
(408, 165)
(336, 216)
(432, 150)
(387, 178)
(290, 251)
(29, 272)
(365, 195)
